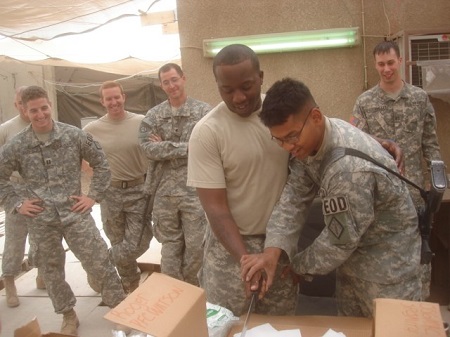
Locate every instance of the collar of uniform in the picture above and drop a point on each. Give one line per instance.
(406, 91)
(382, 95)
(325, 143)
(182, 111)
(34, 141)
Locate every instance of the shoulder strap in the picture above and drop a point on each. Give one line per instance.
(330, 157)
(339, 152)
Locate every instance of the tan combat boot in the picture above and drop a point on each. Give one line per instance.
(40, 284)
(70, 323)
(11, 292)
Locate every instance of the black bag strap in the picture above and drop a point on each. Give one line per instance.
(339, 152)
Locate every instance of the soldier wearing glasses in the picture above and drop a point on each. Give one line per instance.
(178, 218)
(371, 234)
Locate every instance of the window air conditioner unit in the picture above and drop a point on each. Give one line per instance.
(417, 48)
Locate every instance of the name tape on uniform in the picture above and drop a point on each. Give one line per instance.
(334, 205)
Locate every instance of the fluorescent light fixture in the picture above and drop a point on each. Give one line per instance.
(287, 42)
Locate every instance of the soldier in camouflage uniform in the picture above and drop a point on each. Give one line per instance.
(179, 220)
(239, 174)
(371, 234)
(125, 216)
(48, 156)
(15, 224)
(399, 111)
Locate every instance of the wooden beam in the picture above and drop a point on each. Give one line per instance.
(156, 18)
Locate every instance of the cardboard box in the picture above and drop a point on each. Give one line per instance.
(311, 326)
(394, 318)
(32, 329)
(164, 307)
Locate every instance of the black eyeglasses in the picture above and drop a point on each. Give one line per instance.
(293, 138)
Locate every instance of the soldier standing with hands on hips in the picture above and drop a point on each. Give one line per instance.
(48, 155)
(16, 230)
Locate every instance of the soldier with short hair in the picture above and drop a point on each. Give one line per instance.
(125, 213)
(178, 218)
(15, 224)
(48, 155)
(239, 174)
(371, 234)
(396, 110)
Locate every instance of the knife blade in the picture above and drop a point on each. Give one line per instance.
(253, 301)
(250, 307)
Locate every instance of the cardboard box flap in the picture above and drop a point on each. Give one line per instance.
(311, 326)
(164, 307)
(395, 318)
(31, 329)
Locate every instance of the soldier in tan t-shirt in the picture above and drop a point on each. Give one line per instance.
(124, 208)
(239, 174)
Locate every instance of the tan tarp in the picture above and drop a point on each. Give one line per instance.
(80, 98)
(104, 35)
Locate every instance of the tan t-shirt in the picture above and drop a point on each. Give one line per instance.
(236, 153)
(8, 130)
(119, 140)
(11, 128)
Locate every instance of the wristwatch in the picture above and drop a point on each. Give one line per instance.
(18, 206)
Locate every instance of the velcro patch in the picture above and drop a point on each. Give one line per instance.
(334, 205)
(143, 129)
(336, 227)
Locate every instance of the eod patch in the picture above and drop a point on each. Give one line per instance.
(336, 216)
(334, 205)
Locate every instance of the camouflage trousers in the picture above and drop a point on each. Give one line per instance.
(355, 296)
(127, 224)
(221, 278)
(425, 270)
(179, 224)
(85, 241)
(16, 232)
